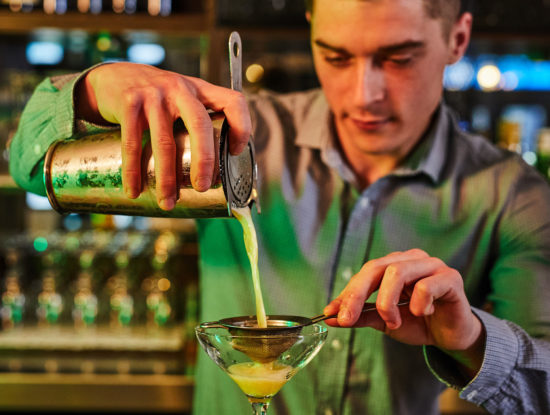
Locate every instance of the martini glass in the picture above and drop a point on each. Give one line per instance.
(261, 363)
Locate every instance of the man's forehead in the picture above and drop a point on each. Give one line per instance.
(383, 18)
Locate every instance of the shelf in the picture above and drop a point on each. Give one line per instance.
(18, 23)
(89, 392)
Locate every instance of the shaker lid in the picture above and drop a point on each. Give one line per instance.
(238, 173)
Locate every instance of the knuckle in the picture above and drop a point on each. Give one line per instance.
(418, 252)
(423, 289)
(131, 173)
(457, 278)
(167, 184)
(369, 265)
(350, 299)
(383, 306)
(200, 124)
(165, 142)
(439, 262)
(182, 84)
(393, 272)
(238, 98)
(153, 94)
(132, 98)
(131, 146)
(205, 164)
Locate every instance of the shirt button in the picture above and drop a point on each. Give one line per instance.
(37, 149)
(336, 344)
(364, 203)
(329, 411)
(347, 273)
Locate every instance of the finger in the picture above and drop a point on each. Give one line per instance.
(332, 307)
(164, 153)
(445, 286)
(366, 281)
(233, 104)
(374, 320)
(201, 134)
(396, 276)
(131, 131)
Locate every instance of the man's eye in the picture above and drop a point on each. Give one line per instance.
(400, 60)
(337, 60)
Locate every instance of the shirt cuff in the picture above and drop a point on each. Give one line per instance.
(500, 357)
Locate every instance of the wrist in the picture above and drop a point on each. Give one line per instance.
(470, 359)
(85, 101)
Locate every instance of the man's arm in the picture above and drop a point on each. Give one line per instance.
(137, 98)
(514, 377)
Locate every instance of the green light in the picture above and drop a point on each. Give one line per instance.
(40, 244)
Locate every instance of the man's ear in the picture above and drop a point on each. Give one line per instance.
(308, 16)
(460, 37)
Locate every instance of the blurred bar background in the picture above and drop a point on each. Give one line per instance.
(96, 311)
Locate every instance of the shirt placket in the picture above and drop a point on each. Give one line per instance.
(354, 247)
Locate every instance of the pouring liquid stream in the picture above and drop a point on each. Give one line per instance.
(244, 216)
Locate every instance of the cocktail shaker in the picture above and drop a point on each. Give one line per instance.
(84, 175)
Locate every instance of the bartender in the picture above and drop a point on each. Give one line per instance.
(369, 189)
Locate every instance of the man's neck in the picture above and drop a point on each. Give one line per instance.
(369, 168)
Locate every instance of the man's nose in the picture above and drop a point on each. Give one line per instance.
(370, 84)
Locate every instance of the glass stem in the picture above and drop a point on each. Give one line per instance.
(259, 408)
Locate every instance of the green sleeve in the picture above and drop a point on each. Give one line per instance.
(47, 117)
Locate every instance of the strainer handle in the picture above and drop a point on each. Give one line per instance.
(212, 325)
(366, 307)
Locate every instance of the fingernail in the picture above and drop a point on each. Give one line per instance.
(344, 314)
(167, 204)
(203, 183)
(429, 310)
(391, 325)
(237, 149)
(130, 193)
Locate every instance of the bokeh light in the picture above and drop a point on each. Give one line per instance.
(489, 77)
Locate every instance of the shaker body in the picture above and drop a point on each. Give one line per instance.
(84, 175)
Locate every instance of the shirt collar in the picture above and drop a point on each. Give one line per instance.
(428, 157)
(317, 130)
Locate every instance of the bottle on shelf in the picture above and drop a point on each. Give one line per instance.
(543, 152)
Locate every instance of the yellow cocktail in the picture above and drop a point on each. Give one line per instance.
(260, 381)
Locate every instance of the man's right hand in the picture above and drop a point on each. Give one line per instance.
(140, 97)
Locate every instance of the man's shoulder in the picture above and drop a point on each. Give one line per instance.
(477, 151)
(476, 154)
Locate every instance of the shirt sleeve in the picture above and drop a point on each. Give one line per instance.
(515, 374)
(47, 117)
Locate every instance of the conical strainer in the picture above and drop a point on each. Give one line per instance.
(266, 344)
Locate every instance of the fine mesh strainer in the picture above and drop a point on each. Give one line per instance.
(265, 344)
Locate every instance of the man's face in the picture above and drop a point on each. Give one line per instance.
(380, 63)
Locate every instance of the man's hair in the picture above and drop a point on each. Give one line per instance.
(446, 10)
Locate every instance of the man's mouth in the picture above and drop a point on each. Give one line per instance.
(370, 124)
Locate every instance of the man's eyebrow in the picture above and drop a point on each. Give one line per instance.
(336, 49)
(398, 47)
